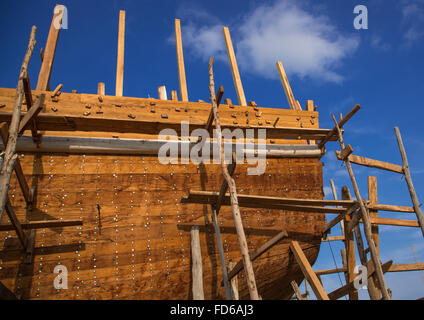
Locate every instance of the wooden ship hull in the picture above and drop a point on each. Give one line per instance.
(134, 241)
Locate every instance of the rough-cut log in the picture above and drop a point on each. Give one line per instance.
(10, 151)
(250, 276)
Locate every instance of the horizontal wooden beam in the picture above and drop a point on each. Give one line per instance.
(43, 224)
(251, 201)
(333, 238)
(407, 267)
(393, 208)
(329, 271)
(394, 222)
(367, 162)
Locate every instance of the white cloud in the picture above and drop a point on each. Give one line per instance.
(308, 45)
(413, 18)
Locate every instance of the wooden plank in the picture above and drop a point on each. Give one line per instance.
(43, 224)
(56, 90)
(340, 126)
(234, 68)
(365, 216)
(408, 178)
(367, 162)
(101, 88)
(162, 93)
(253, 201)
(196, 259)
(344, 290)
(48, 56)
(418, 266)
(392, 208)
(180, 61)
(248, 268)
(333, 238)
(120, 59)
(349, 250)
(31, 115)
(394, 222)
(307, 271)
(287, 89)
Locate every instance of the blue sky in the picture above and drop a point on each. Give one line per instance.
(326, 59)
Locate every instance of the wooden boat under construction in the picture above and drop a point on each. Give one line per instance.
(100, 203)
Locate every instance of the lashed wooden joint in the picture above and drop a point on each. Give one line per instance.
(346, 152)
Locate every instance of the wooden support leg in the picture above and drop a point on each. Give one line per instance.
(228, 293)
(196, 258)
(350, 259)
(234, 282)
(296, 290)
(407, 173)
(307, 271)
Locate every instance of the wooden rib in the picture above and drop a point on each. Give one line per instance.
(287, 89)
(408, 179)
(257, 253)
(48, 56)
(101, 88)
(174, 95)
(407, 267)
(367, 162)
(43, 224)
(120, 60)
(342, 291)
(340, 125)
(307, 271)
(196, 259)
(31, 115)
(180, 61)
(234, 68)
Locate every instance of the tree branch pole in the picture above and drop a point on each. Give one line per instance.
(407, 174)
(366, 219)
(10, 151)
(250, 276)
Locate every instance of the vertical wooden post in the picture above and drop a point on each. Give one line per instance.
(287, 89)
(373, 199)
(162, 93)
(344, 262)
(101, 88)
(248, 267)
(174, 95)
(234, 282)
(196, 259)
(228, 293)
(48, 56)
(350, 251)
(366, 219)
(234, 68)
(407, 173)
(373, 291)
(120, 60)
(180, 61)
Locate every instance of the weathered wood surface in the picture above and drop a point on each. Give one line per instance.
(143, 251)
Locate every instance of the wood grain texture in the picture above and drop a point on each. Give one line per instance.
(143, 249)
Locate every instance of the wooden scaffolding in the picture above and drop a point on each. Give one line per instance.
(349, 212)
